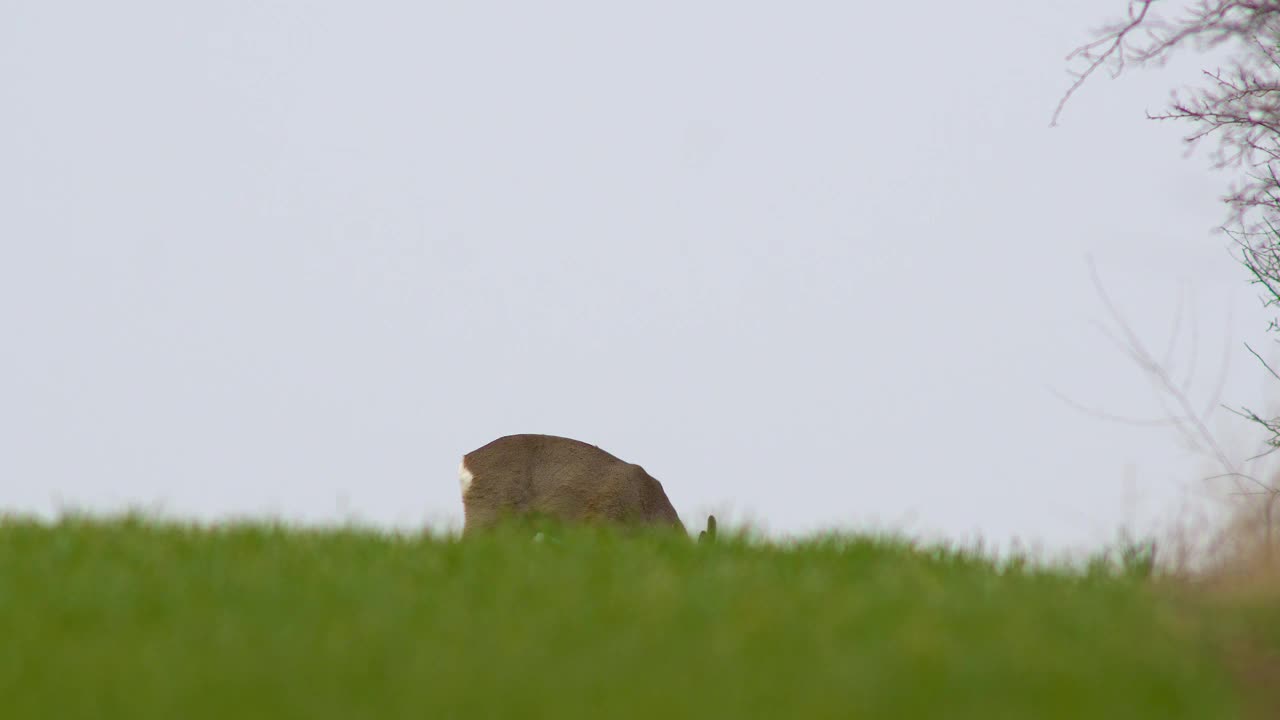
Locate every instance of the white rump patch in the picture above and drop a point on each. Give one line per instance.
(464, 477)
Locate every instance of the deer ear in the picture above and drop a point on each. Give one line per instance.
(709, 534)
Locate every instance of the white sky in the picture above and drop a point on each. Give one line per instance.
(813, 264)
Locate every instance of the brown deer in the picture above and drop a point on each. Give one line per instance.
(567, 480)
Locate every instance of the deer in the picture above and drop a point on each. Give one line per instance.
(564, 479)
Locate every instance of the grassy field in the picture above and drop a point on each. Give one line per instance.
(140, 620)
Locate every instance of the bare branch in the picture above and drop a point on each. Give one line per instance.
(1113, 43)
(1104, 415)
(1264, 362)
(1138, 350)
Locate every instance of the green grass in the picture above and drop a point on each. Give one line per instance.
(141, 620)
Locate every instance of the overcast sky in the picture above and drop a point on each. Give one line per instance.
(812, 264)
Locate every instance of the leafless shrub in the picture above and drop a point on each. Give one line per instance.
(1238, 106)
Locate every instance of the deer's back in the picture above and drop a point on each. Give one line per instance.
(560, 477)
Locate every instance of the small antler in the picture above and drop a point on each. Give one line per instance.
(708, 535)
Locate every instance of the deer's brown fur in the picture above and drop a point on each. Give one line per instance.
(564, 479)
